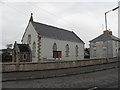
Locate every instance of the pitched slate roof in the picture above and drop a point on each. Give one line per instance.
(56, 33)
(23, 47)
(105, 37)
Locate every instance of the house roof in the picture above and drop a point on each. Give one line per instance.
(105, 37)
(23, 47)
(54, 32)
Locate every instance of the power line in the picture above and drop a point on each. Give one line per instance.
(55, 15)
(18, 10)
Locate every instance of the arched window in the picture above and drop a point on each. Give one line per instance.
(34, 49)
(54, 47)
(67, 50)
(94, 52)
(76, 51)
(29, 39)
(24, 56)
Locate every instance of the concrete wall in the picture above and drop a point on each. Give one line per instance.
(53, 65)
(47, 49)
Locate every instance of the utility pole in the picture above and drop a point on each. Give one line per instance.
(106, 25)
(106, 16)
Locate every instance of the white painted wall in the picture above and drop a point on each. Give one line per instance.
(100, 52)
(47, 49)
(115, 48)
(98, 46)
(34, 37)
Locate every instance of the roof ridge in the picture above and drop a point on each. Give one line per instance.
(106, 37)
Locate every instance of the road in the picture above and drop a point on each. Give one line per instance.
(54, 73)
(100, 79)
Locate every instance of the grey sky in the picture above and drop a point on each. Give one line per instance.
(84, 18)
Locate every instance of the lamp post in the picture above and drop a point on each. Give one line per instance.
(106, 25)
(106, 16)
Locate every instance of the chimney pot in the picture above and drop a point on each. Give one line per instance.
(107, 32)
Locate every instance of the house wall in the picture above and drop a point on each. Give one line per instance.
(27, 59)
(15, 55)
(34, 37)
(103, 49)
(47, 49)
(115, 48)
(96, 50)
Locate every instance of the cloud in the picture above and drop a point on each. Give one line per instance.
(84, 18)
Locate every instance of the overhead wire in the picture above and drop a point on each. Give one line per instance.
(49, 12)
(14, 8)
(23, 12)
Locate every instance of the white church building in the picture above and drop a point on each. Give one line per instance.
(51, 43)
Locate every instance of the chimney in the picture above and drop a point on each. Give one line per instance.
(108, 32)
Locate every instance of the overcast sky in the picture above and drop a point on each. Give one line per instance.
(85, 18)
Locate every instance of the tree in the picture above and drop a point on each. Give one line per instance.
(9, 46)
(87, 53)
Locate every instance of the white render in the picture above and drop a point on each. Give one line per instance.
(104, 49)
(46, 46)
(30, 31)
(47, 49)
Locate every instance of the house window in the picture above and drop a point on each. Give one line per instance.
(116, 43)
(54, 47)
(29, 39)
(104, 51)
(116, 52)
(76, 51)
(34, 49)
(24, 56)
(94, 53)
(94, 45)
(67, 50)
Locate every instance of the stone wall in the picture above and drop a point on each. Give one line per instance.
(22, 66)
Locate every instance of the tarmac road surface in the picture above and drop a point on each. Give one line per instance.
(101, 79)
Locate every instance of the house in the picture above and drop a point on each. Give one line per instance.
(6, 55)
(21, 53)
(104, 46)
(51, 43)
